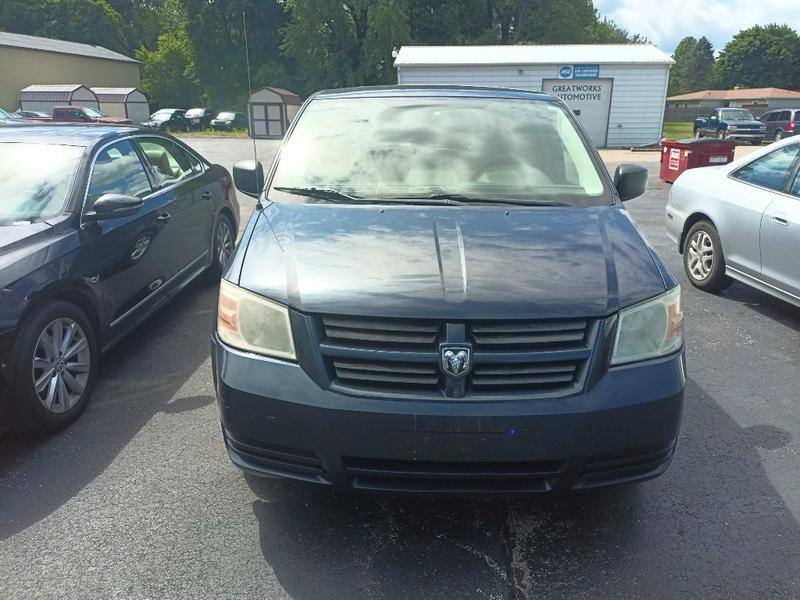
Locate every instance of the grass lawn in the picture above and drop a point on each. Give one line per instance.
(237, 133)
(678, 131)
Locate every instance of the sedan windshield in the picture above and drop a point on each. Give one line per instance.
(452, 150)
(226, 116)
(35, 179)
(95, 114)
(161, 115)
(737, 114)
(195, 112)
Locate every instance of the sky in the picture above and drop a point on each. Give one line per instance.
(666, 22)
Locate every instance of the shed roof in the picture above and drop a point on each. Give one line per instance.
(557, 54)
(287, 96)
(738, 94)
(50, 93)
(113, 94)
(18, 40)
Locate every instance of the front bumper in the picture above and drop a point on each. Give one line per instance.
(277, 421)
(745, 136)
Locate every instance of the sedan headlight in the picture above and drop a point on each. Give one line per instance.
(651, 329)
(249, 322)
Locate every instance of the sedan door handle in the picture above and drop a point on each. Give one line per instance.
(780, 220)
(206, 195)
(164, 217)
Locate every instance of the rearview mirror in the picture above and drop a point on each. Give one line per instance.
(248, 177)
(630, 181)
(114, 206)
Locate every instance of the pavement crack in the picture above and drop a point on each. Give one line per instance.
(513, 590)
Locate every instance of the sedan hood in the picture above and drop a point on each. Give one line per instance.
(21, 246)
(449, 263)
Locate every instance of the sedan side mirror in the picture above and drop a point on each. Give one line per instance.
(630, 181)
(248, 177)
(114, 206)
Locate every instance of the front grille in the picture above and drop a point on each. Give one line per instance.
(402, 356)
(435, 476)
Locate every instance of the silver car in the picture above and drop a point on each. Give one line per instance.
(741, 221)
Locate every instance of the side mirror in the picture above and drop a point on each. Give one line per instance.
(630, 181)
(713, 117)
(248, 177)
(114, 206)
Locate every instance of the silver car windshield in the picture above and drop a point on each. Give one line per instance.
(467, 148)
(35, 179)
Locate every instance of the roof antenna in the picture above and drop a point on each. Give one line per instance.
(250, 93)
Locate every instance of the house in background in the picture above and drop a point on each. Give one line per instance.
(26, 60)
(758, 100)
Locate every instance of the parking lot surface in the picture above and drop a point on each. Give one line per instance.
(138, 499)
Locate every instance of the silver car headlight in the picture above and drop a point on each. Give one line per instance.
(651, 329)
(252, 323)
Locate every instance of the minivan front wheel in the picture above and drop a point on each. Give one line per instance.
(56, 364)
(703, 259)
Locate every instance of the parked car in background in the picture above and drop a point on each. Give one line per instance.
(741, 221)
(781, 123)
(85, 114)
(33, 114)
(99, 227)
(441, 292)
(199, 118)
(736, 124)
(7, 118)
(228, 121)
(168, 119)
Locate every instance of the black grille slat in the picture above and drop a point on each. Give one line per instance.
(370, 336)
(524, 369)
(526, 338)
(381, 325)
(522, 327)
(384, 367)
(522, 380)
(369, 376)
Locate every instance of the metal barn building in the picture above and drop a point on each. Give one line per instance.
(616, 90)
(127, 103)
(27, 59)
(271, 111)
(46, 97)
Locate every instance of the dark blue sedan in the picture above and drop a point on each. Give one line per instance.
(441, 292)
(99, 226)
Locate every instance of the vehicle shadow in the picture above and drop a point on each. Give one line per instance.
(137, 379)
(769, 306)
(713, 526)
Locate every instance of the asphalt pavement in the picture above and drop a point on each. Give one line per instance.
(138, 500)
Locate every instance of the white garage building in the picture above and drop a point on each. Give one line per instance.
(618, 91)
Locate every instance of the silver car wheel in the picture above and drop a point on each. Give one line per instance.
(61, 365)
(224, 243)
(700, 259)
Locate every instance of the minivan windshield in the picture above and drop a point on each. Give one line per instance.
(35, 179)
(464, 149)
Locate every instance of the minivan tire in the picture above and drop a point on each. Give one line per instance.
(702, 243)
(31, 415)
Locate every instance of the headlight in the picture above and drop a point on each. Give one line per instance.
(650, 329)
(249, 322)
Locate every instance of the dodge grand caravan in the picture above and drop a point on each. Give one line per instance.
(441, 292)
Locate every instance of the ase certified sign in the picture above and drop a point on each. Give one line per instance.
(579, 72)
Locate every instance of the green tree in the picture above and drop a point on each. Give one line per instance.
(168, 73)
(86, 21)
(761, 56)
(352, 40)
(694, 63)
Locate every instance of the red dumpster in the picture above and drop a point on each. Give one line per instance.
(678, 156)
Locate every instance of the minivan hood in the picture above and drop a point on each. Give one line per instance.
(448, 262)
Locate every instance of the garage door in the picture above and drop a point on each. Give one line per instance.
(590, 100)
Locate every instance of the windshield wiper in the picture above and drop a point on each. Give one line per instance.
(321, 193)
(462, 199)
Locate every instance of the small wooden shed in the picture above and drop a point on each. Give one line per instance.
(46, 97)
(124, 102)
(271, 111)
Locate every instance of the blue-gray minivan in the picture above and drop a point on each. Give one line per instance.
(441, 292)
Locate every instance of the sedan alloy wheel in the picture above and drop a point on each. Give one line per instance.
(61, 365)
